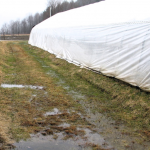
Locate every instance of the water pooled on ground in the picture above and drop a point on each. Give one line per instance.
(115, 134)
(21, 86)
(38, 142)
(55, 112)
(45, 66)
(111, 132)
(58, 140)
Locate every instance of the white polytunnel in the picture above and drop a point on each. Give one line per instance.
(112, 37)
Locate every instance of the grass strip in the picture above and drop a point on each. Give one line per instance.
(121, 101)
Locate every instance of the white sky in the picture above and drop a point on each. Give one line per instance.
(19, 9)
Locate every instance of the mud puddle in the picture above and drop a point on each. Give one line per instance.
(55, 112)
(118, 135)
(63, 136)
(58, 142)
(21, 86)
(39, 142)
(114, 133)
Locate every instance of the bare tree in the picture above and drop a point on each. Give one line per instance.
(12, 27)
(4, 30)
(17, 27)
(30, 20)
(25, 26)
(36, 18)
(53, 4)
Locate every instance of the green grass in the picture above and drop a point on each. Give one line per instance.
(28, 65)
(116, 98)
(15, 103)
(19, 133)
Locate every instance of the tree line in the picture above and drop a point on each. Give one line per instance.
(25, 26)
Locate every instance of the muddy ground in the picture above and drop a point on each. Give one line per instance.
(47, 103)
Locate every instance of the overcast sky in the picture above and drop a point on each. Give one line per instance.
(19, 9)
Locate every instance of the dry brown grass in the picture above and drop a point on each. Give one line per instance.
(15, 104)
(2, 55)
(4, 128)
(118, 99)
(5, 120)
(107, 95)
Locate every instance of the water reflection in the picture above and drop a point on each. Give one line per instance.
(21, 86)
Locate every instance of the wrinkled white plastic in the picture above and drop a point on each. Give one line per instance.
(112, 37)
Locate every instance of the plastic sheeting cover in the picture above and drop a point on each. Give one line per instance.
(112, 37)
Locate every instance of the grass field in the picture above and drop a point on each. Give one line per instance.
(21, 110)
